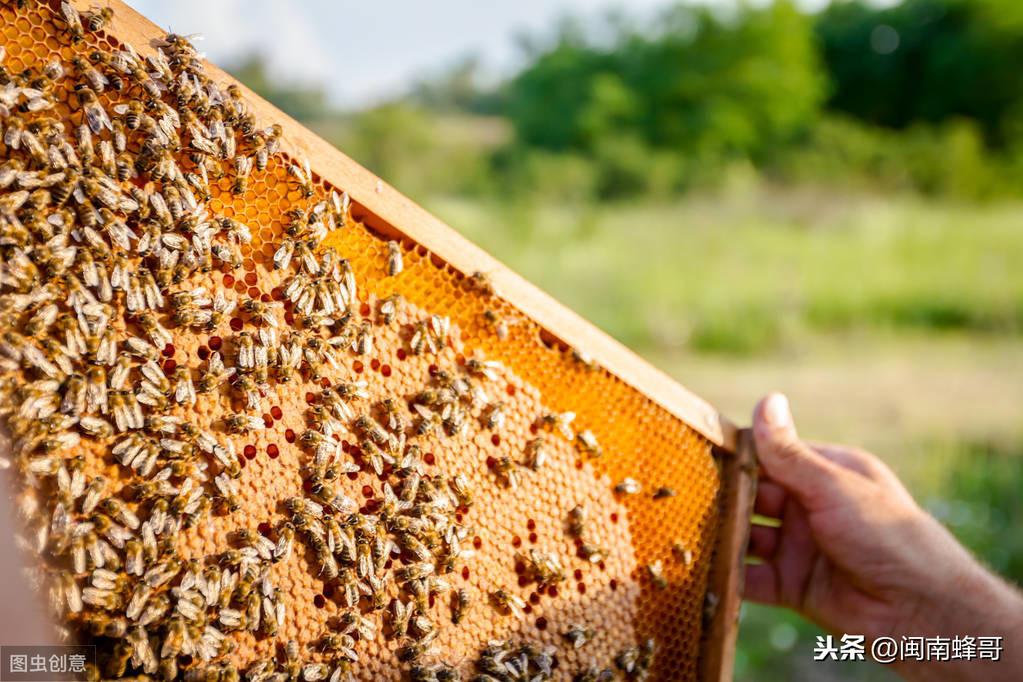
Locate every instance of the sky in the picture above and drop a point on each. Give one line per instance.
(363, 52)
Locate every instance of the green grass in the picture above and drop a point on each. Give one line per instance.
(763, 271)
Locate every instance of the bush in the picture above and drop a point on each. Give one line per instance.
(702, 83)
(947, 159)
(420, 151)
(926, 61)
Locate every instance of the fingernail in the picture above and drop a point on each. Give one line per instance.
(776, 411)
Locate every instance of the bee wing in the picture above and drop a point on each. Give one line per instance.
(97, 118)
(70, 15)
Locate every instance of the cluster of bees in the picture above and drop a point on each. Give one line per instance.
(104, 229)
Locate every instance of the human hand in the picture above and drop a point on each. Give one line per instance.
(855, 554)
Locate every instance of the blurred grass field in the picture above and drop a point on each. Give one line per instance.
(764, 270)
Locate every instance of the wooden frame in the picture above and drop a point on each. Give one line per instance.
(385, 209)
(738, 475)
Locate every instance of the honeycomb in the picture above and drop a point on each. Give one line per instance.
(619, 597)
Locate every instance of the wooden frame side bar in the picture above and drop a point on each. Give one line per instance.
(738, 475)
(389, 211)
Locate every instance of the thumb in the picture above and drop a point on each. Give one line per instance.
(788, 461)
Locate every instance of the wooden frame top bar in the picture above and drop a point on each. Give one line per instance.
(391, 211)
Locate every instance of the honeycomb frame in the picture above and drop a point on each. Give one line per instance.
(623, 386)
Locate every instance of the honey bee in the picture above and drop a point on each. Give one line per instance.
(174, 641)
(628, 486)
(584, 359)
(430, 422)
(127, 411)
(93, 493)
(184, 391)
(592, 553)
(635, 661)
(577, 521)
(421, 339)
(263, 311)
(389, 307)
(168, 669)
(561, 421)
(215, 374)
(299, 505)
(536, 453)
(543, 568)
(118, 511)
(394, 414)
(578, 635)
(118, 661)
(506, 471)
(507, 603)
(302, 177)
(395, 263)
(282, 257)
(242, 169)
(370, 428)
(588, 443)
(244, 423)
(95, 115)
(494, 418)
(156, 331)
(682, 553)
(90, 74)
(656, 571)
(132, 113)
(285, 541)
(97, 19)
(227, 492)
(461, 603)
(73, 20)
(266, 144)
(664, 492)
(481, 282)
(412, 651)
(459, 485)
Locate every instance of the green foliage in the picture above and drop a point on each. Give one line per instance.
(920, 97)
(704, 85)
(981, 505)
(941, 159)
(926, 61)
(419, 151)
(459, 88)
(303, 102)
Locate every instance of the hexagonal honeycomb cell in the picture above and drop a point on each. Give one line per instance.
(612, 592)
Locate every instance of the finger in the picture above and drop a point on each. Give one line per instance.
(863, 463)
(787, 460)
(770, 500)
(795, 555)
(849, 458)
(761, 584)
(763, 541)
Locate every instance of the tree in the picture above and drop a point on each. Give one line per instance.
(702, 83)
(927, 60)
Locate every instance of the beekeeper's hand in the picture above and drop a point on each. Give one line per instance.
(855, 554)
